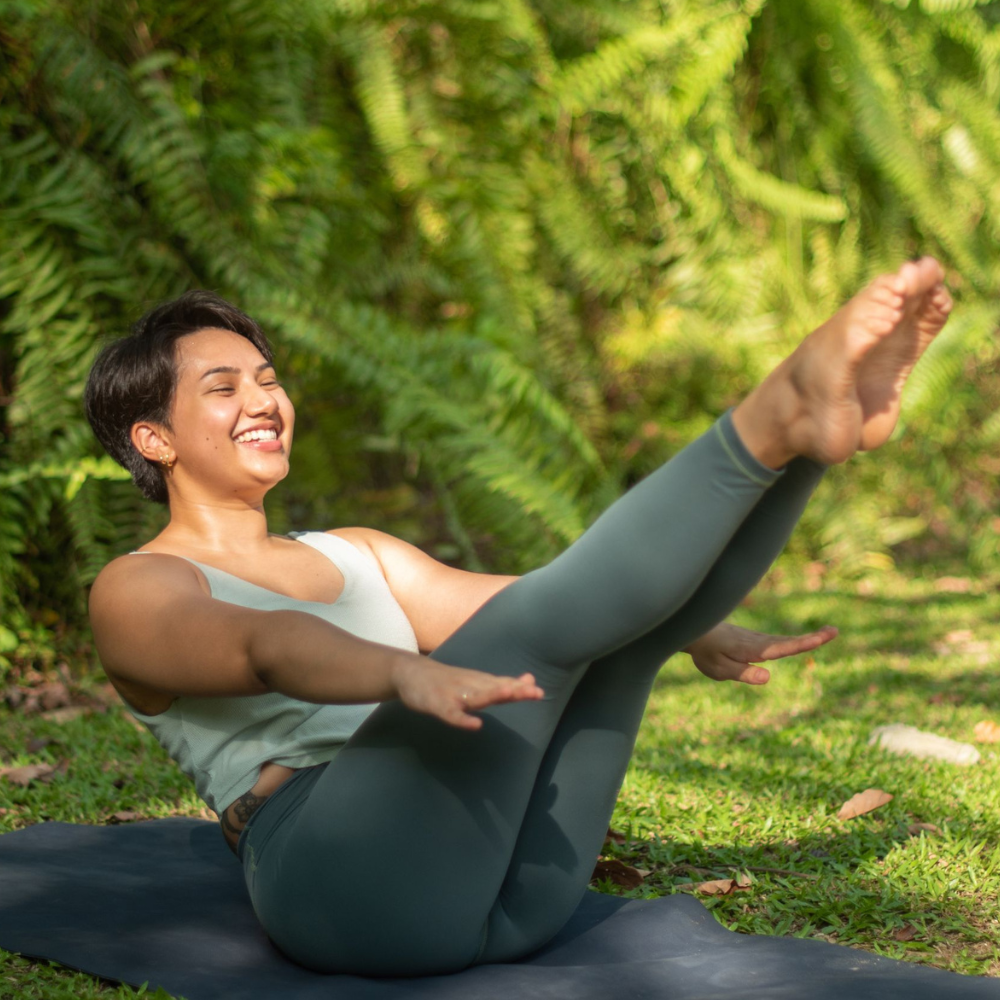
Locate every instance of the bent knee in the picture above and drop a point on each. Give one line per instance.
(376, 945)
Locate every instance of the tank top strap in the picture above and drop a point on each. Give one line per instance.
(346, 557)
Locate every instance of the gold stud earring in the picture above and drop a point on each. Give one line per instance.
(168, 462)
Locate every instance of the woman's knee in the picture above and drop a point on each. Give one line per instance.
(373, 943)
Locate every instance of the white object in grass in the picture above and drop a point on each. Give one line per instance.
(913, 742)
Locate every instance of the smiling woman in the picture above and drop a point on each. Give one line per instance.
(284, 674)
(134, 381)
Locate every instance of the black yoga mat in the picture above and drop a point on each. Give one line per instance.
(163, 902)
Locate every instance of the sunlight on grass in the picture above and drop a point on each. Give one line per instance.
(729, 778)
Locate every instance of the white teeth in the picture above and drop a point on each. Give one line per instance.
(271, 435)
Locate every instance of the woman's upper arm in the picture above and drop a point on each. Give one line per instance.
(436, 598)
(154, 625)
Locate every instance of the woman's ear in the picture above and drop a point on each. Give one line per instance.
(151, 441)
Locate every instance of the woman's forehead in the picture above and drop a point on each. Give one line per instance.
(212, 347)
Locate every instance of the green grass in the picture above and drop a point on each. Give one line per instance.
(725, 778)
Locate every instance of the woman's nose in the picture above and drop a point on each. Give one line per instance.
(261, 401)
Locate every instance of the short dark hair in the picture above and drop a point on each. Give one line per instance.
(133, 379)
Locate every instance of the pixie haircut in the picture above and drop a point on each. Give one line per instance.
(133, 379)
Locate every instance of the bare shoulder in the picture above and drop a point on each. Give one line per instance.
(126, 580)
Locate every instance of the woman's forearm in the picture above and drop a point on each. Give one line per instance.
(305, 657)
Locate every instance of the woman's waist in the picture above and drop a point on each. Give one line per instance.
(237, 814)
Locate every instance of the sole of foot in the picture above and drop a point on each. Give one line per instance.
(839, 391)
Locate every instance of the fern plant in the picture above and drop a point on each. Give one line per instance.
(513, 255)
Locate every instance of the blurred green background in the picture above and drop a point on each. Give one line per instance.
(512, 254)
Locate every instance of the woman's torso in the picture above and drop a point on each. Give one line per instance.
(295, 571)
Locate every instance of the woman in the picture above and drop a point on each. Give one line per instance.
(481, 785)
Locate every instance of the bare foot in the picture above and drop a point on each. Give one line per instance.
(885, 370)
(827, 400)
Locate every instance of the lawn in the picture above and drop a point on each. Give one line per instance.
(726, 781)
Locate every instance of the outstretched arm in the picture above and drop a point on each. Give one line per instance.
(157, 630)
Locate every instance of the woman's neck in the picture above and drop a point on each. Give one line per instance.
(215, 527)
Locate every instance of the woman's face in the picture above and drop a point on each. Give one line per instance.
(232, 422)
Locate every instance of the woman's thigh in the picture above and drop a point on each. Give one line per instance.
(392, 862)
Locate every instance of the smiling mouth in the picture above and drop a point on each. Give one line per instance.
(251, 436)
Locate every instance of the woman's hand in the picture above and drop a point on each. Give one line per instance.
(729, 653)
(453, 693)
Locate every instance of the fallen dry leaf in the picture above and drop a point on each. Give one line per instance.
(717, 887)
(863, 802)
(952, 585)
(916, 828)
(724, 886)
(987, 731)
(906, 933)
(39, 743)
(124, 817)
(614, 837)
(619, 873)
(27, 773)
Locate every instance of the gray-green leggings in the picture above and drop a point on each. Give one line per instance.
(421, 848)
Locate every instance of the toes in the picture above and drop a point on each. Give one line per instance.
(931, 272)
(886, 285)
(941, 300)
(884, 293)
(882, 319)
(920, 276)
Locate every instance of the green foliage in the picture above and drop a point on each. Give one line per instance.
(512, 254)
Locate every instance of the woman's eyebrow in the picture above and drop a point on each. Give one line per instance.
(229, 370)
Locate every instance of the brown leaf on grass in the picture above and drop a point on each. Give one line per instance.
(717, 887)
(863, 802)
(124, 817)
(40, 743)
(987, 731)
(26, 774)
(916, 829)
(614, 837)
(905, 933)
(619, 873)
(952, 585)
(724, 886)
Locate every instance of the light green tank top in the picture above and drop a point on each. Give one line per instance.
(221, 743)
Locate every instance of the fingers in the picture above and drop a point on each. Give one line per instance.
(471, 691)
(776, 647)
(481, 693)
(734, 670)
